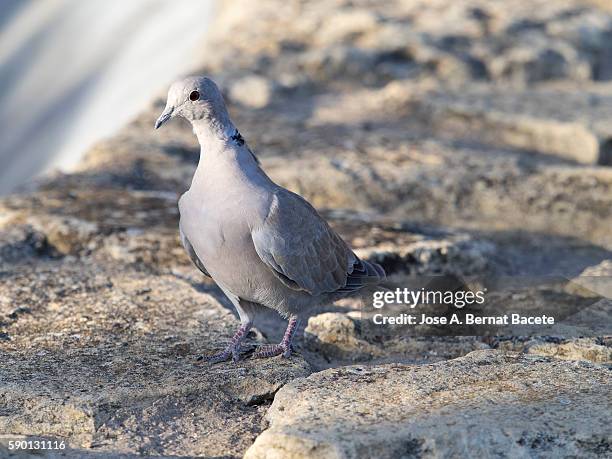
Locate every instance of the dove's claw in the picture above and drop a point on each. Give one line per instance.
(283, 348)
(219, 357)
(234, 349)
(271, 351)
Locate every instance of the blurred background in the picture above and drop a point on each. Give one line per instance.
(72, 72)
(483, 114)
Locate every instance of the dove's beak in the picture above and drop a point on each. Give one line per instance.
(165, 116)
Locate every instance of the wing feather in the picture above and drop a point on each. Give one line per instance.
(305, 253)
(192, 254)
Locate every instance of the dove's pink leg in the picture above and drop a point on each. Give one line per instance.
(233, 348)
(284, 347)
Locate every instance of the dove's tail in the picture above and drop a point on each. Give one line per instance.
(375, 271)
(364, 274)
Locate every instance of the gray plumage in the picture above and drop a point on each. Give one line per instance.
(262, 244)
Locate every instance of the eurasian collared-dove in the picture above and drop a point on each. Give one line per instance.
(263, 245)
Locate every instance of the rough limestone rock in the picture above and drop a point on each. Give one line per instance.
(104, 356)
(335, 335)
(405, 249)
(572, 124)
(336, 338)
(486, 403)
(516, 42)
(594, 281)
(592, 349)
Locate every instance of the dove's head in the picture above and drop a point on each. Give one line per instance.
(195, 99)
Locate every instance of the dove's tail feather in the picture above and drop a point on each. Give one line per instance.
(364, 274)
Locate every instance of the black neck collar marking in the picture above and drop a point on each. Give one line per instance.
(236, 137)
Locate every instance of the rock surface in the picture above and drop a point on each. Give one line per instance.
(569, 124)
(336, 338)
(104, 356)
(486, 403)
(591, 349)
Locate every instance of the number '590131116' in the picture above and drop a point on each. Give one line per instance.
(36, 444)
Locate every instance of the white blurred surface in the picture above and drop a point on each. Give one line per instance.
(75, 71)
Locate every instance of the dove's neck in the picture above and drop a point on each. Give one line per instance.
(213, 135)
(223, 154)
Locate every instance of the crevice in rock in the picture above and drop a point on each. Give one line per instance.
(605, 152)
(263, 399)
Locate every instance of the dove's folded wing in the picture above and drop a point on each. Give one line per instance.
(304, 252)
(192, 254)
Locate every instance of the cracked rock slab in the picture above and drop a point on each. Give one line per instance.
(105, 358)
(486, 403)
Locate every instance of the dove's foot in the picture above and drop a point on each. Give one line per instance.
(222, 356)
(234, 349)
(271, 351)
(284, 347)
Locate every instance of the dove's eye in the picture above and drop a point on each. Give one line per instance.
(195, 95)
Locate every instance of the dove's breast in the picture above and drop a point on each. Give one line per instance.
(219, 230)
